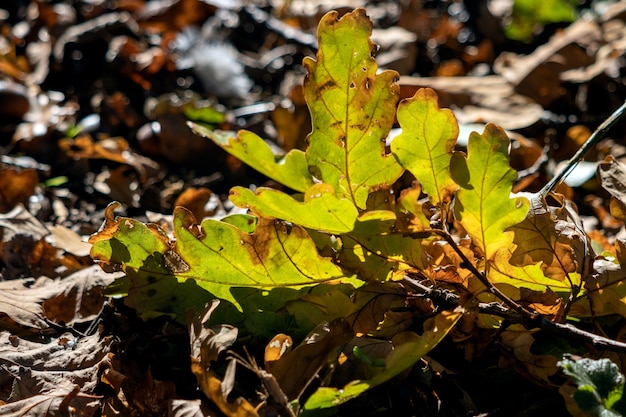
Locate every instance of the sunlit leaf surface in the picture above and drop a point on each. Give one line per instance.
(290, 169)
(320, 209)
(425, 145)
(216, 255)
(483, 205)
(352, 109)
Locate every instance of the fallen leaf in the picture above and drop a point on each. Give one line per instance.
(57, 374)
(612, 175)
(73, 299)
(408, 349)
(189, 408)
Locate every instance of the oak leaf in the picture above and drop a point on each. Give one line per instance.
(352, 109)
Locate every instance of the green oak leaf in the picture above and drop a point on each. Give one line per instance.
(215, 255)
(352, 109)
(321, 209)
(426, 143)
(483, 205)
(290, 169)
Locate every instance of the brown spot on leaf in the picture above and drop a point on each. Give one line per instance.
(175, 263)
(327, 85)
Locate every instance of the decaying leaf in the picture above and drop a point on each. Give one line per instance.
(75, 298)
(612, 174)
(553, 236)
(189, 408)
(52, 378)
(296, 369)
(408, 349)
(381, 257)
(606, 286)
(16, 187)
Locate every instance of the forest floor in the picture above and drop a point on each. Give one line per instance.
(95, 96)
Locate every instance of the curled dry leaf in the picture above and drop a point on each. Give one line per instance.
(555, 237)
(612, 175)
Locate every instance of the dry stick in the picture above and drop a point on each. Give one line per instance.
(593, 139)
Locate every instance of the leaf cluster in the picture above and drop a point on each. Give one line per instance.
(380, 249)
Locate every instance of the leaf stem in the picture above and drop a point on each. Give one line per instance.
(593, 139)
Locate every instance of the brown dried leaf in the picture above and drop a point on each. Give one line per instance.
(540, 367)
(538, 75)
(612, 175)
(372, 302)
(478, 99)
(57, 403)
(189, 408)
(553, 236)
(201, 202)
(76, 298)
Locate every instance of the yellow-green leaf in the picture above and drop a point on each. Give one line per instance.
(426, 143)
(290, 169)
(215, 255)
(220, 256)
(352, 109)
(484, 205)
(321, 209)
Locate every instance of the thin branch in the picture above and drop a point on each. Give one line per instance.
(593, 139)
(481, 276)
(528, 321)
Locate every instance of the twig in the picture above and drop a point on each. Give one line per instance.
(482, 277)
(272, 388)
(593, 139)
(528, 321)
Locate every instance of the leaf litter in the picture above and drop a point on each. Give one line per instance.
(86, 133)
